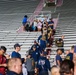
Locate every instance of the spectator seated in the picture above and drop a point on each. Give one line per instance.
(39, 25)
(51, 23)
(34, 25)
(59, 42)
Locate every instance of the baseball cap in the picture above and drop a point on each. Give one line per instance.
(34, 46)
(17, 45)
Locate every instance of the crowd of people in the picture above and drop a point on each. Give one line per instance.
(37, 60)
(37, 24)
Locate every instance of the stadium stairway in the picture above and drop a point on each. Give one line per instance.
(66, 26)
(11, 14)
(10, 21)
(26, 39)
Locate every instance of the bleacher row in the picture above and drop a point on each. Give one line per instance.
(66, 27)
(26, 39)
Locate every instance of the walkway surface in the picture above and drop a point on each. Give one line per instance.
(13, 11)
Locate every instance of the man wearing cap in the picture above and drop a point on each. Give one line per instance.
(35, 44)
(3, 64)
(35, 54)
(16, 54)
(17, 49)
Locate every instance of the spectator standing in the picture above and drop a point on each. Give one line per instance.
(58, 57)
(70, 55)
(39, 25)
(30, 65)
(3, 64)
(51, 23)
(14, 66)
(74, 60)
(40, 37)
(35, 54)
(44, 30)
(67, 52)
(43, 64)
(34, 26)
(36, 45)
(24, 69)
(55, 70)
(16, 54)
(43, 42)
(67, 67)
(50, 36)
